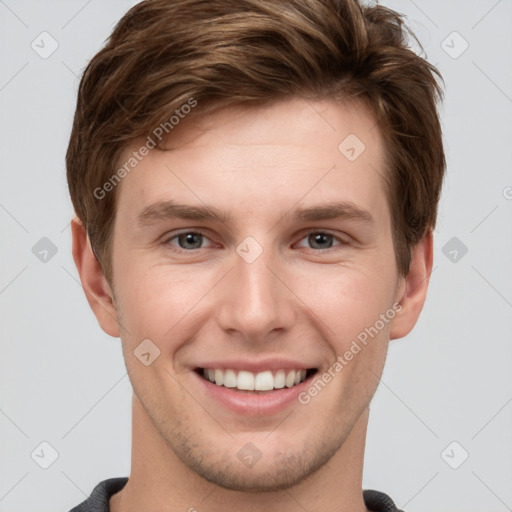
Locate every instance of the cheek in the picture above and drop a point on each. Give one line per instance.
(347, 301)
(356, 311)
(161, 300)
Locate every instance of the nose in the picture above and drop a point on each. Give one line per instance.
(256, 300)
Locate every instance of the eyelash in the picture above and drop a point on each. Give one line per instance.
(306, 234)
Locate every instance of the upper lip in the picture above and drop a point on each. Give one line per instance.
(256, 366)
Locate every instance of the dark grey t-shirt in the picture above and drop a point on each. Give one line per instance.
(98, 501)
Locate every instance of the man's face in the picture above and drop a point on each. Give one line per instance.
(263, 290)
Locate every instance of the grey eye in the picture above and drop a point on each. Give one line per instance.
(320, 240)
(190, 240)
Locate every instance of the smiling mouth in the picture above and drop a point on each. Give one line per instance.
(267, 381)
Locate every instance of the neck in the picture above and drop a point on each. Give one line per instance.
(160, 481)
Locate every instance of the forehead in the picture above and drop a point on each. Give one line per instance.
(293, 122)
(288, 151)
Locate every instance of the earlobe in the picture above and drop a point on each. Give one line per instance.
(95, 285)
(413, 291)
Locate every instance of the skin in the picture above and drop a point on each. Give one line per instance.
(297, 299)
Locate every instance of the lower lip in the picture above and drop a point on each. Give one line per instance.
(252, 403)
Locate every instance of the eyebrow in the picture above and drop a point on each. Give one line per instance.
(334, 211)
(170, 210)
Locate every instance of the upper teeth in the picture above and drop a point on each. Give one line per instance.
(249, 381)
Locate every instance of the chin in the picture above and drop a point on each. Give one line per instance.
(269, 473)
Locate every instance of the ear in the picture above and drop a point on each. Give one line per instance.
(413, 288)
(96, 288)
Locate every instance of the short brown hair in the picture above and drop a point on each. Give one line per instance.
(162, 53)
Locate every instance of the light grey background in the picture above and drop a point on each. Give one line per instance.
(63, 381)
